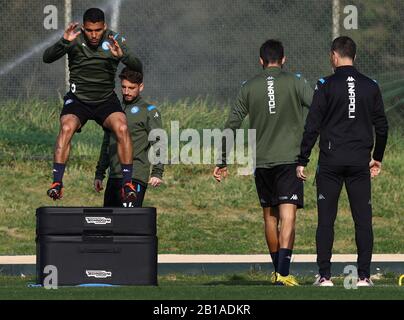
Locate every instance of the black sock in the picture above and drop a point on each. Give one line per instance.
(275, 259)
(126, 173)
(58, 171)
(285, 256)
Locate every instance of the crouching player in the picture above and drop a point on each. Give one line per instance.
(142, 118)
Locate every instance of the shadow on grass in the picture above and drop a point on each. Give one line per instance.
(238, 283)
(241, 280)
(249, 283)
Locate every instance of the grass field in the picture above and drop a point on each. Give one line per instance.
(246, 286)
(195, 214)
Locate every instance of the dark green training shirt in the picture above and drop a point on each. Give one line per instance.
(274, 100)
(142, 118)
(92, 70)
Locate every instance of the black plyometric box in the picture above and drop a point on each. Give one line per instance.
(119, 260)
(79, 220)
(115, 246)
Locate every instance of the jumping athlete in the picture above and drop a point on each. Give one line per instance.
(94, 53)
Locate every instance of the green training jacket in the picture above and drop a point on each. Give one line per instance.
(92, 70)
(274, 100)
(142, 118)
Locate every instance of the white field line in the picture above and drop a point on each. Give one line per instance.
(228, 258)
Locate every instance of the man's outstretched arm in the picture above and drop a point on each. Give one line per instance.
(119, 49)
(60, 48)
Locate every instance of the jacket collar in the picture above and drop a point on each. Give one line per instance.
(272, 71)
(345, 69)
(134, 101)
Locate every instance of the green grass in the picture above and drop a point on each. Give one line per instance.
(195, 214)
(244, 286)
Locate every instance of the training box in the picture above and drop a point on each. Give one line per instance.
(116, 260)
(82, 245)
(79, 220)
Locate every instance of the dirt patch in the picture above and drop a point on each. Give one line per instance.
(14, 233)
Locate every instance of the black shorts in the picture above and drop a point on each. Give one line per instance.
(112, 196)
(89, 111)
(279, 185)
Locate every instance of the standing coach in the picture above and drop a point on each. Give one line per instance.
(347, 106)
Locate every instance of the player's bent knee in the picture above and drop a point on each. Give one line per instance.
(123, 129)
(67, 129)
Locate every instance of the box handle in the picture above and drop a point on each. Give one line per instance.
(100, 250)
(97, 210)
(97, 238)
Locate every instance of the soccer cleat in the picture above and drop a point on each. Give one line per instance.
(128, 194)
(288, 281)
(323, 282)
(364, 282)
(56, 191)
(273, 277)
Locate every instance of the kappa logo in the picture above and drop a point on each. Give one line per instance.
(99, 274)
(294, 197)
(98, 220)
(350, 79)
(321, 197)
(156, 115)
(68, 101)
